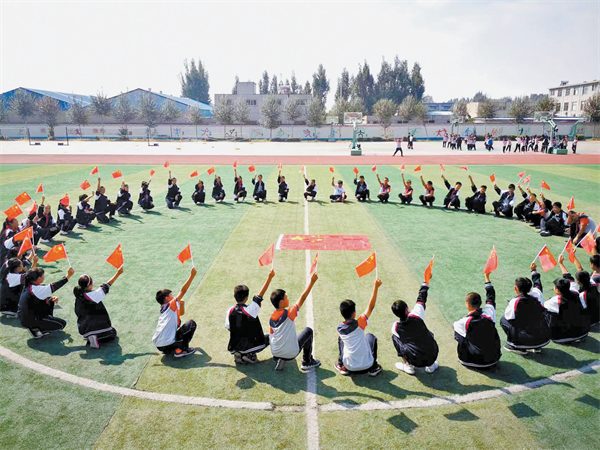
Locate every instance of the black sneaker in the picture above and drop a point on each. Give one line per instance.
(279, 365)
(375, 371)
(312, 364)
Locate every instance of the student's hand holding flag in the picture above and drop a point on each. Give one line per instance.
(185, 288)
(70, 273)
(267, 283)
(313, 280)
(373, 300)
(115, 276)
(533, 267)
(487, 277)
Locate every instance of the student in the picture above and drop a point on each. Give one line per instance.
(384, 190)
(246, 336)
(508, 144)
(398, 147)
(357, 350)
(260, 193)
(554, 223)
(199, 194)
(66, 221)
(169, 336)
(173, 197)
(504, 145)
(124, 203)
(407, 195)
(93, 321)
(452, 198)
(428, 197)
(218, 192)
(239, 190)
(85, 214)
(311, 189)
(103, 205)
(526, 209)
(574, 145)
(444, 140)
(36, 305)
(490, 143)
(459, 140)
(588, 289)
(339, 191)
(476, 334)
(506, 202)
(285, 344)
(411, 140)
(284, 188)
(413, 342)
(478, 200)
(579, 226)
(524, 320)
(145, 199)
(362, 189)
(9, 229)
(13, 279)
(47, 225)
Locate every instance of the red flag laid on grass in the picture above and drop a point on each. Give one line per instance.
(27, 232)
(492, 262)
(428, 271)
(588, 243)
(85, 185)
(56, 253)
(210, 171)
(185, 254)
(194, 174)
(493, 178)
(65, 200)
(166, 164)
(527, 179)
(117, 174)
(374, 168)
(25, 246)
(94, 171)
(545, 185)
(546, 258)
(13, 211)
(267, 256)
(313, 267)
(355, 170)
(332, 170)
(522, 174)
(418, 168)
(252, 168)
(116, 258)
(367, 266)
(23, 198)
(571, 204)
(570, 249)
(152, 172)
(40, 189)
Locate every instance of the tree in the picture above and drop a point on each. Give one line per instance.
(292, 111)
(274, 89)
(78, 115)
(48, 109)
(263, 85)
(385, 109)
(546, 103)
(234, 89)
(385, 81)
(422, 113)
(148, 110)
(307, 89)
(343, 87)
(363, 87)
(479, 97)
(486, 109)
(194, 82)
(223, 111)
(339, 108)
(124, 111)
(315, 112)
(519, 109)
(195, 117)
(270, 111)
(459, 110)
(170, 113)
(23, 105)
(4, 109)
(294, 86)
(101, 106)
(402, 84)
(241, 113)
(417, 82)
(409, 108)
(591, 110)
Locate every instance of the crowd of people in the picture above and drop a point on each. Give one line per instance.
(523, 143)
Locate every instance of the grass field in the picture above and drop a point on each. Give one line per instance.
(227, 240)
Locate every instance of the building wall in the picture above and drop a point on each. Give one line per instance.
(255, 101)
(572, 96)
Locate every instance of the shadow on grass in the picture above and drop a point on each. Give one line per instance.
(54, 344)
(10, 321)
(291, 380)
(110, 353)
(403, 423)
(445, 379)
(197, 360)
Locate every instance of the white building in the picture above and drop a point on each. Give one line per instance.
(572, 96)
(247, 91)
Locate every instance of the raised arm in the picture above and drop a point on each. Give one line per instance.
(373, 300)
(98, 187)
(577, 264)
(115, 276)
(561, 263)
(333, 181)
(490, 292)
(535, 277)
(473, 187)
(423, 182)
(497, 189)
(404, 181)
(267, 283)
(378, 179)
(170, 174)
(302, 298)
(187, 284)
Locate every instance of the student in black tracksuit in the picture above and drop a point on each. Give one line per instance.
(524, 321)
(407, 195)
(103, 205)
(218, 192)
(476, 334)
(362, 189)
(260, 193)
(239, 190)
(93, 321)
(284, 188)
(428, 197)
(124, 203)
(85, 214)
(145, 199)
(47, 225)
(13, 279)
(506, 202)
(65, 219)
(555, 222)
(588, 292)
(199, 194)
(311, 189)
(9, 229)
(173, 197)
(478, 200)
(36, 304)
(246, 336)
(526, 209)
(414, 343)
(452, 198)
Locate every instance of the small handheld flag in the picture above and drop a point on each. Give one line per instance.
(94, 171)
(252, 168)
(194, 174)
(493, 178)
(280, 166)
(367, 266)
(428, 271)
(23, 198)
(32, 209)
(302, 169)
(116, 258)
(210, 171)
(185, 255)
(522, 174)
(40, 189)
(374, 168)
(418, 168)
(85, 185)
(570, 249)
(402, 167)
(464, 168)
(527, 179)
(588, 243)
(332, 170)
(117, 174)
(492, 262)
(152, 172)
(13, 211)
(571, 204)
(545, 185)
(21, 235)
(25, 246)
(267, 256)
(235, 164)
(65, 200)
(56, 253)
(355, 170)
(442, 167)
(313, 267)
(166, 164)
(546, 259)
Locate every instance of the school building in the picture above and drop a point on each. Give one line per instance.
(571, 97)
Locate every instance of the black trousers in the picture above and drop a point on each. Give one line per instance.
(306, 195)
(535, 219)
(283, 196)
(259, 196)
(125, 207)
(552, 227)
(66, 225)
(455, 203)
(173, 202)
(199, 197)
(241, 194)
(46, 322)
(252, 352)
(427, 200)
(86, 218)
(102, 335)
(183, 336)
(372, 340)
(398, 149)
(219, 196)
(383, 198)
(336, 198)
(363, 195)
(405, 199)
(49, 232)
(507, 211)
(474, 206)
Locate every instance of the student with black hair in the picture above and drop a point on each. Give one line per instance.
(579, 226)
(13, 279)
(124, 203)
(476, 334)
(554, 222)
(428, 196)
(47, 225)
(452, 199)
(246, 336)
(170, 336)
(284, 189)
(239, 190)
(145, 199)
(173, 197)
(407, 195)
(199, 194)
(524, 320)
(595, 266)
(218, 192)
(362, 189)
(85, 214)
(506, 202)
(588, 289)
(399, 147)
(384, 190)
(93, 321)
(413, 342)
(64, 214)
(478, 200)
(286, 345)
(311, 189)
(36, 304)
(9, 228)
(339, 191)
(103, 205)
(260, 193)
(526, 210)
(357, 350)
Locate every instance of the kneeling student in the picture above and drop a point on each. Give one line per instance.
(476, 334)
(362, 189)
(13, 278)
(285, 344)
(85, 214)
(407, 195)
(246, 337)
(199, 194)
(239, 190)
(414, 343)
(218, 192)
(124, 203)
(311, 189)
(93, 321)
(428, 196)
(66, 221)
(260, 193)
(452, 198)
(145, 199)
(358, 351)
(283, 189)
(588, 289)
(384, 190)
(477, 201)
(170, 336)
(339, 191)
(506, 202)
(103, 205)
(173, 197)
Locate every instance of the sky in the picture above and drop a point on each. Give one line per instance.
(502, 48)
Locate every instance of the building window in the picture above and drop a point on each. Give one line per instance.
(574, 106)
(593, 87)
(567, 90)
(582, 106)
(575, 91)
(566, 107)
(551, 92)
(584, 90)
(559, 92)
(302, 102)
(251, 102)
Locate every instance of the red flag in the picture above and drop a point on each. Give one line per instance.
(597, 230)
(65, 200)
(427, 275)
(570, 249)
(23, 198)
(235, 164)
(545, 185)
(493, 178)
(527, 180)
(95, 171)
(418, 168)
(40, 189)
(464, 168)
(313, 268)
(374, 168)
(252, 168)
(522, 174)
(13, 211)
(194, 174)
(546, 259)
(367, 266)
(280, 166)
(211, 171)
(442, 167)
(32, 209)
(116, 258)
(355, 170)
(27, 232)
(332, 170)
(152, 172)
(267, 257)
(402, 167)
(302, 169)
(185, 254)
(85, 185)
(55, 253)
(25, 246)
(117, 174)
(492, 262)
(571, 205)
(588, 243)
(166, 164)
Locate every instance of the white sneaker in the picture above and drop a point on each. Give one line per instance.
(432, 368)
(405, 368)
(93, 340)
(264, 200)
(44, 241)
(64, 233)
